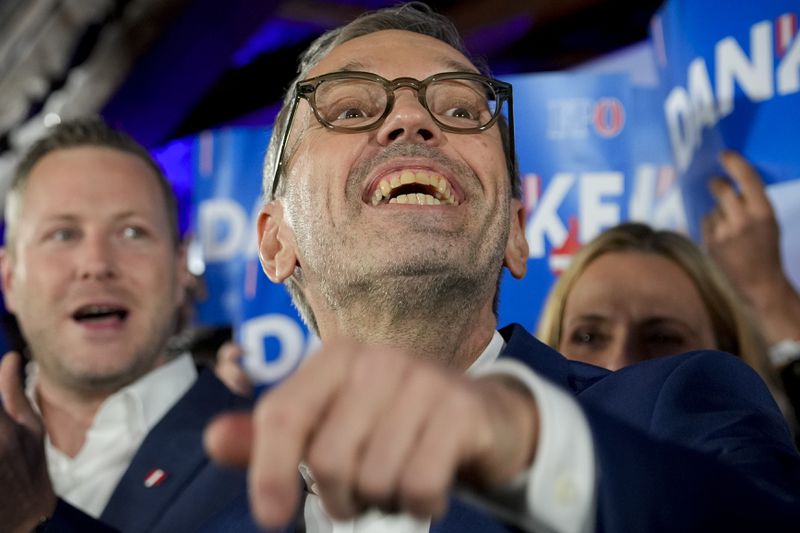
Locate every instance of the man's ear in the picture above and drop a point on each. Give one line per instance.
(182, 274)
(516, 257)
(276, 244)
(6, 278)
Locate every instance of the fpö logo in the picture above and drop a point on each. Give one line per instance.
(577, 118)
(769, 69)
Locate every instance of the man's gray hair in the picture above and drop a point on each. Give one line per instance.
(413, 16)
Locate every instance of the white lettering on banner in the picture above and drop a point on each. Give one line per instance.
(221, 214)
(670, 212)
(571, 118)
(643, 195)
(656, 199)
(568, 118)
(225, 231)
(288, 334)
(544, 218)
(594, 214)
(755, 78)
(788, 74)
(683, 135)
(688, 112)
(251, 240)
(701, 94)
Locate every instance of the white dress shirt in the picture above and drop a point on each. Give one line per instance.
(87, 480)
(558, 491)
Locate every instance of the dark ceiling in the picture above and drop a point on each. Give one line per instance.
(205, 63)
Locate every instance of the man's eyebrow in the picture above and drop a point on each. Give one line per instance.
(124, 215)
(70, 217)
(60, 217)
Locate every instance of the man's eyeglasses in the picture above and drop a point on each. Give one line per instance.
(352, 102)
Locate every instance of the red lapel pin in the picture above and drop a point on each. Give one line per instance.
(154, 478)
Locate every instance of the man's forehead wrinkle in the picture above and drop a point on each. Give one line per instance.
(459, 66)
(448, 65)
(352, 65)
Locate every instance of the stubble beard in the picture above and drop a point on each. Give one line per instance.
(86, 380)
(401, 293)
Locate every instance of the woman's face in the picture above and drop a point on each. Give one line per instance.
(627, 307)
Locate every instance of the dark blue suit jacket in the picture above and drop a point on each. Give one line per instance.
(194, 488)
(687, 443)
(690, 443)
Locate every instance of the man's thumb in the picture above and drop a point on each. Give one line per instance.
(15, 402)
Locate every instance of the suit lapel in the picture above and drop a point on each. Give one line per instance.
(173, 447)
(575, 377)
(547, 362)
(523, 347)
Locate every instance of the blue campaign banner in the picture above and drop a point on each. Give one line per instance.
(785, 197)
(226, 202)
(227, 188)
(730, 75)
(592, 152)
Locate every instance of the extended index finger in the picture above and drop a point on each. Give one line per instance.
(747, 178)
(284, 424)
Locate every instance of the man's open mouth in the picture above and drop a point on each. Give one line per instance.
(99, 313)
(414, 187)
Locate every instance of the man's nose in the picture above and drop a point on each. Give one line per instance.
(97, 259)
(409, 121)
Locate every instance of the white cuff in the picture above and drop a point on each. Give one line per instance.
(562, 482)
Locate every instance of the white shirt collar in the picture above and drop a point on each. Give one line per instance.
(156, 392)
(122, 422)
(489, 354)
(150, 397)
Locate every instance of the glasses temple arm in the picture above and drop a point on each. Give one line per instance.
(511, 145)
(282, 147)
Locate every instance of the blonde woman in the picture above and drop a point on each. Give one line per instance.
(635, 293)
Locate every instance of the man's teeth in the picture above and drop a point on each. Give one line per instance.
(414, 198)
(437, 190)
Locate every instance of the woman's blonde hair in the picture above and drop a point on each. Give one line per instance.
(734, 329)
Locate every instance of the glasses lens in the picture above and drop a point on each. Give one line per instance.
(350, 103)
(462, 103)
